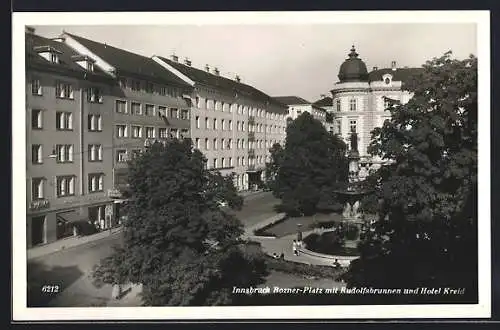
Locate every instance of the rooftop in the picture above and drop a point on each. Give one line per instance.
(291, 100)
(208, 79)
(128, 63)
(398, 74)
(324, 102)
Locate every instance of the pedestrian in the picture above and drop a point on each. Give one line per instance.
(294, 247)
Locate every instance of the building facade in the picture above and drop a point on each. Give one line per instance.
(232, 123)
(69, 158)
(297, 106)
(360, 99)
(149, 104)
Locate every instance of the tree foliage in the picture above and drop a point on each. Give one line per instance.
(178, 242)
(427, 233)
(306, 170)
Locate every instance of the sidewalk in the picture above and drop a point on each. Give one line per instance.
(283, 244)
(70, 242)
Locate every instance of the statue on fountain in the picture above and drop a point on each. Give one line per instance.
(347, 211)
(355, 213)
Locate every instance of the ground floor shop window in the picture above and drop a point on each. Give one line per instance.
(64, 228)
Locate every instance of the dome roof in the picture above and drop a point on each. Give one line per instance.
(353, 68)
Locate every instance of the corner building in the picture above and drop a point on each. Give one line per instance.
(68, 142)
(360, 99)
(232, 123)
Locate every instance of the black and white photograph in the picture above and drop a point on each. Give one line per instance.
(294, 165)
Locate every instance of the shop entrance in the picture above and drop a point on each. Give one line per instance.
(37, 230)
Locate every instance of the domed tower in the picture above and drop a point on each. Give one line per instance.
(351, 97)
(353, 68)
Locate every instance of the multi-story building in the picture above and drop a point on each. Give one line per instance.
(149, 103)
(69, 159)
(232, 123)
(326, 103)
(360, 101)
(297, 106)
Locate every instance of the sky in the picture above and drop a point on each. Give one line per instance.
(286, 59)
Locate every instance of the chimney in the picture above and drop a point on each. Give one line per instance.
(393, 65)
(237, 78)
(29, 30)
(216, 72)
(207, 68)
(187, 61)
(375, 68)
(174, 58)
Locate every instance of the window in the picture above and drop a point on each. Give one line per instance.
(243, 126)
(197, 100)
(207, 103)
(243, 161)
(64, 121)
(163, 91)
(215, 123)
(197, 143)
(230, 125)
(94, 123)
(121, 131)
(238, 125)
(197, 121)
(238, 161)
(173, 113)
(162, 132)
(95, 152)
(135, 85)
(215, 144)
(223, 162)
(37, 185)
(54, 58)
(90, 66)
(136, 132)
(339, 127)
(222, 144)
(174, 132)
(36, 154)
(122, 82)
(150, 110)
(136, 108)
(64, 153)
(207, 144)
(36, 119)
(121, 156)
(185, 114)
(121, 106)
(184, 133)
(353, 126)
(231, 161)
(352, 105)
(207, 123)
(215, 163)
(64, 90)
(150, 132)
(94, 95)
(229, 144)
(162, 110)
(36, 87)
(238, 144)
(150, 87)
(243, 143)
(223, 124)
(65, 186)
(96, 182)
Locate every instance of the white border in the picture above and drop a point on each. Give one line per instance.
(22, 313)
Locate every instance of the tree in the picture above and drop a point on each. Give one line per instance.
(309, 167)
(178, 242)
(427, 232)
(272, 167)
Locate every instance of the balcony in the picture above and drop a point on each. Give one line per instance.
(254, 168)
(251, 136)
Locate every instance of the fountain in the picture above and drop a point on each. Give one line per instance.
(351, 195)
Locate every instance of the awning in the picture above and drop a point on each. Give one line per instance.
(71, 216)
